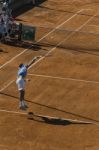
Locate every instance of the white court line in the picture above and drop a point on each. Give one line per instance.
(64, 78)
(66, 39)
(7, 85)
(13, 112)
(93, 25)
(32, 45)
(41, 39)
(78, 29)
(59, 43)
(51, 117)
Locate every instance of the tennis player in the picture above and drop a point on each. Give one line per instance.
(21, 88)
(22, 73)
(21, 81)
(23, 68)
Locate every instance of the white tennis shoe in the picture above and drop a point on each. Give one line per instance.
(25, 105)
(22, 105)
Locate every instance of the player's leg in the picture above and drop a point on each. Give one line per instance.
(21, 98)
(23, 103)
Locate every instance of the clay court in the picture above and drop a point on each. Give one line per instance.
(64, 81)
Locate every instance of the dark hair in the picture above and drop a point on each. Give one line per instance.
(21, 65)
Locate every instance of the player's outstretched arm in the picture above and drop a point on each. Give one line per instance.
(32, 61)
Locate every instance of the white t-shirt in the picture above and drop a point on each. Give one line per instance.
(20, 83)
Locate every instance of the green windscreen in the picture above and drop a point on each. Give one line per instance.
(28, 33)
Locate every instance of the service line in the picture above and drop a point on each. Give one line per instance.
(64, 78)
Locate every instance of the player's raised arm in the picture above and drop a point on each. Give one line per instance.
(32, 61)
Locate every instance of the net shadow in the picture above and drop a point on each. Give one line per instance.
(91, 51)
(81, 41)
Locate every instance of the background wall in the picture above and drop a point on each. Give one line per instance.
(15, 4)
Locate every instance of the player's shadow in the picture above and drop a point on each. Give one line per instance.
(55, 121)
(61, 122)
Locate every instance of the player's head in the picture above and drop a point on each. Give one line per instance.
(21, 65)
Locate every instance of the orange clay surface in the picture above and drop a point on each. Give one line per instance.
(65, 83)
